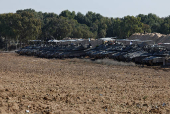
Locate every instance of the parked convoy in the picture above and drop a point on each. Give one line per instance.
(148, 54)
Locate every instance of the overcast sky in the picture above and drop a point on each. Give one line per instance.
(108, 8)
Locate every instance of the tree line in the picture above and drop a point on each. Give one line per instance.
(28, 24)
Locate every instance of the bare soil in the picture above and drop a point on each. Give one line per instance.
(74, 86)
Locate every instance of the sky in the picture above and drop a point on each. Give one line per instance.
(107, 8)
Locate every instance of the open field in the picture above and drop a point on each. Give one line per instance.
(77, 86)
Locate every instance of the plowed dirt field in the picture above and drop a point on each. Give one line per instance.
(74, 86)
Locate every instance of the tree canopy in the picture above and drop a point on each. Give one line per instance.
(28, 24)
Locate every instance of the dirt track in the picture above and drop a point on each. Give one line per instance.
(74, 86)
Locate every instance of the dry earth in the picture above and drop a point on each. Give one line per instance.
(155, 38)
(74, 86)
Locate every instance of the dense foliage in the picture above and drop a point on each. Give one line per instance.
(28, 24)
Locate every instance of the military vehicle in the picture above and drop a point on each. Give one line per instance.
(147, 54)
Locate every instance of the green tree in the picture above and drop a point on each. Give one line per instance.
(117, 27)
(102, 33)
(7, 27)
(80, 18)
(68, 14)
(152, 20)
(130, 25)
(165, 26)
(27, 27)
(146, 28)
(58, 28)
